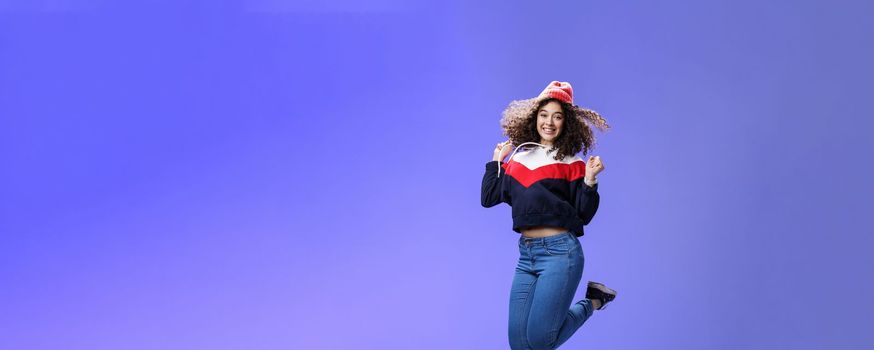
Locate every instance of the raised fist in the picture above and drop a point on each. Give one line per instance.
(502, 150)
(593, 167)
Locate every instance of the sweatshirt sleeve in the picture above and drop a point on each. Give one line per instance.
(586, 199)
(492, 191)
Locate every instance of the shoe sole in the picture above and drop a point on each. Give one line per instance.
(602, 288)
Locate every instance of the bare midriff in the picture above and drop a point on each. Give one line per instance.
(542, 231)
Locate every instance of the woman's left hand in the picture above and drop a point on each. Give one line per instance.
(593, 167)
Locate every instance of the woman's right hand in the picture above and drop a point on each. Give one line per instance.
(502, 150)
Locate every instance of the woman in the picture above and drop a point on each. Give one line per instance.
(553, 194)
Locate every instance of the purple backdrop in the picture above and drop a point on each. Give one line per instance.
(274, 174)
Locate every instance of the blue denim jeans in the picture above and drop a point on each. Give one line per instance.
(547, 276)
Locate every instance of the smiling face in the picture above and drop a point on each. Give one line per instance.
(550, 119)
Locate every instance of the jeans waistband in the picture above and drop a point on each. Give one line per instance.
(547, 239)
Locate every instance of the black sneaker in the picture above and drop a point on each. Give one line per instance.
(599, 291)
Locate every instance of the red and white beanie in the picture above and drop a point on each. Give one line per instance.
(560, 90)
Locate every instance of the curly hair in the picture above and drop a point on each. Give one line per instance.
(519, 122)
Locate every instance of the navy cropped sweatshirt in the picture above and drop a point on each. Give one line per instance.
(541, 190)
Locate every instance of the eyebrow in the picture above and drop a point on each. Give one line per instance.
(543, 110)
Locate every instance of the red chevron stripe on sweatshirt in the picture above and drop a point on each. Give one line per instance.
(527, 177)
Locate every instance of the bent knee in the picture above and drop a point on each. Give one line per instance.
(517, 338)
(542, 341)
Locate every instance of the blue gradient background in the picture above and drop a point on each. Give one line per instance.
(272, 174)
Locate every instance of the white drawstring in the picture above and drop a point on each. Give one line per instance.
(514, 152)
